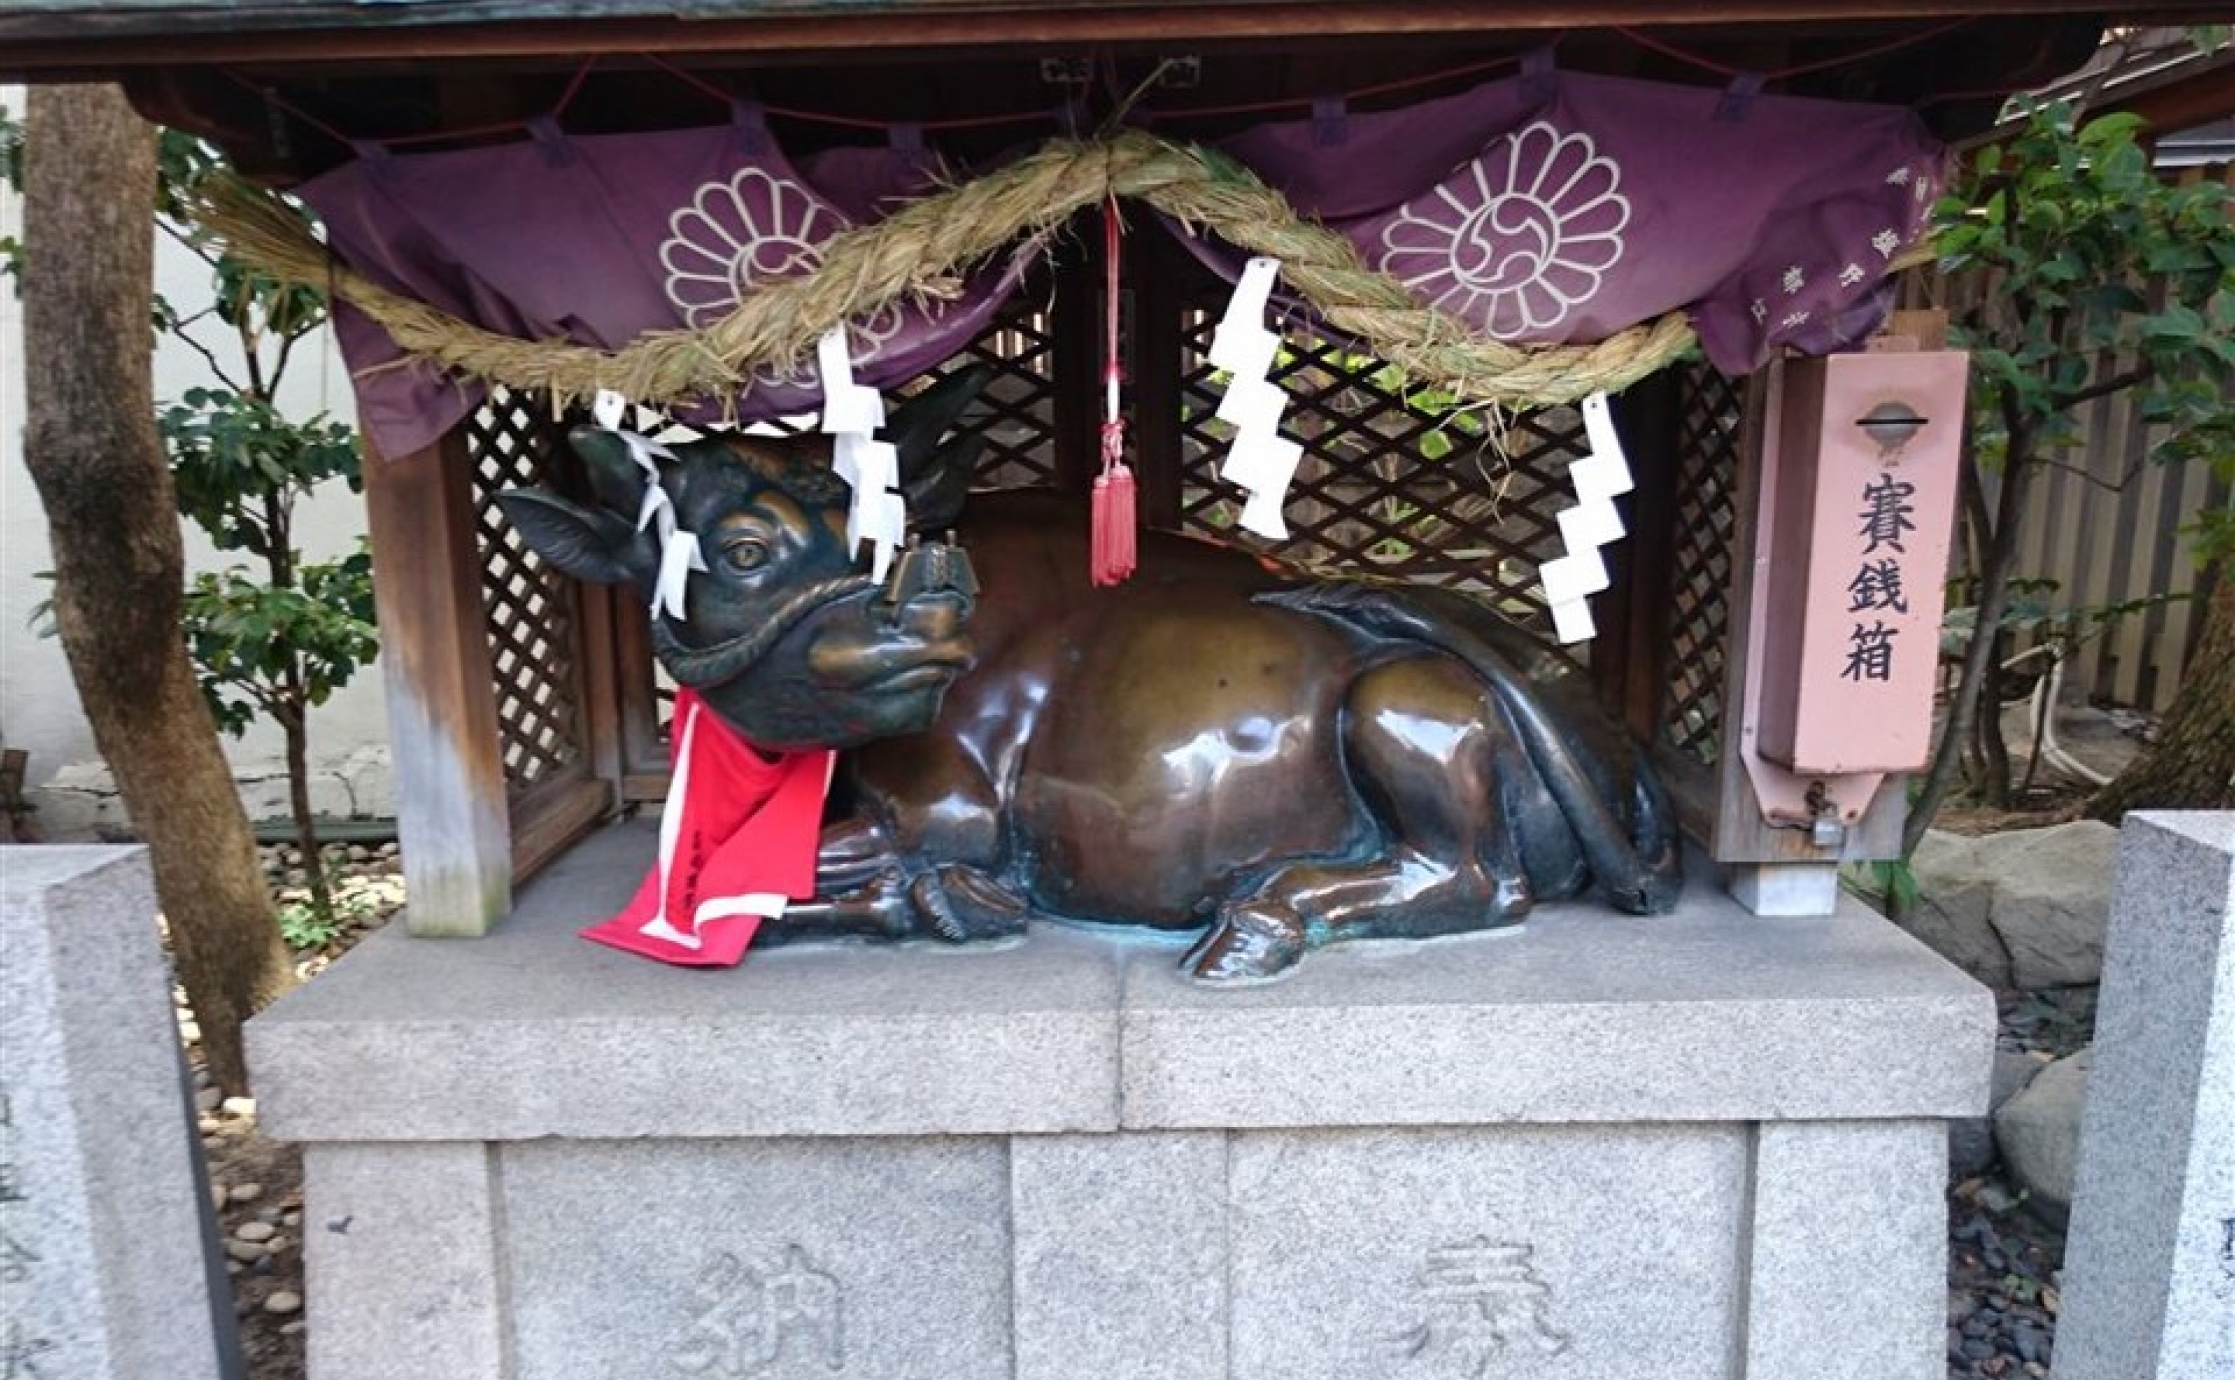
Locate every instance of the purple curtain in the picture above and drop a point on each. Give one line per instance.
(1551, 207)
(1560, 207)
(597, 239)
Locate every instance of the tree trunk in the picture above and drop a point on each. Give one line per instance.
(92, 449)
(2191, 766)
(1996, 558)
(297, 733)
(1993, 783)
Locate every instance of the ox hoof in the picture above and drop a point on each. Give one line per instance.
(959, 905)
(1248, 944)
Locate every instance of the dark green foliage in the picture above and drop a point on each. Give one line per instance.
(2104, 279)
(267, 650)
(2096, 258)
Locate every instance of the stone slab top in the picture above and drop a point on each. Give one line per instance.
(27, 871)
(1582, 1014)
(2214, 829)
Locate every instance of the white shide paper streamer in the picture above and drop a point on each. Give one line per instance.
(1260, 461)
(1599, 477)
(851, 415)
(679, 550)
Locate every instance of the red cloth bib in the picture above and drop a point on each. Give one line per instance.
(737, 840)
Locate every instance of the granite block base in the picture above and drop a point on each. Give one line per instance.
(1695, 1147)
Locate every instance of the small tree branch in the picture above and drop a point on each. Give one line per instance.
(287, 341)
(209, 356)
(183, 238)
(257, 387)
(2103, 388)
(2117, 486)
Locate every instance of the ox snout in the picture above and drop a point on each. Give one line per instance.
(930, 574)
(913, 637)
(928, 617)
(929, 596)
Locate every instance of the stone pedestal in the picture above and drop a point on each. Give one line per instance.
(2149, 1267)
(1697, 1147)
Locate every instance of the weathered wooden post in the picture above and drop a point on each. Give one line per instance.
(442, 714)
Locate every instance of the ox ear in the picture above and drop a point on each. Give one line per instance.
(590, 544)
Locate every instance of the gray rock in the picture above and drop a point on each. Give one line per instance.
(2039, 1133)
(872, 1256)
(1349, 1246)
(1580, 1015)
(2052, 900)
(1954, 914)
(2021, 909)
(1971, 1139)
(406, 1231)
(1062, 1159)
(1820, 1187)
(1134, 1217)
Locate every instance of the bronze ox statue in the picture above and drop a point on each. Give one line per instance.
(1277, 761)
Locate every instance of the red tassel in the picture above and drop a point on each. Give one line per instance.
(1114, 541)
(1116, 545)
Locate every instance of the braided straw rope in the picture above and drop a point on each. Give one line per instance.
(922, 250)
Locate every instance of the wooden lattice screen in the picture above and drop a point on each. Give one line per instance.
(536, 641)
(1017, 412)
(1367, 496)
(1711, 414)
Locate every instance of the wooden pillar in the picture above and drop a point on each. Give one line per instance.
(442, 711)
(1159, 302)
(1630, 657)
(1076, 358)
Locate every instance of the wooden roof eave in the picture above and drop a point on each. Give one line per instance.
(57, 40)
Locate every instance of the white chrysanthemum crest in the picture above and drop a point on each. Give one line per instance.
(1517, 238)
(754, 229)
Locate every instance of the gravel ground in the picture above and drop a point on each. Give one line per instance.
(256, 1184)
(2002, 1259)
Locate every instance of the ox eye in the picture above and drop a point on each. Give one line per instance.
(745, 554)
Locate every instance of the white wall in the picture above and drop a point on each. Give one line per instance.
(39, 710)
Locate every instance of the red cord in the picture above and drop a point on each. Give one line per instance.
(1113, 545)
(1670, 50)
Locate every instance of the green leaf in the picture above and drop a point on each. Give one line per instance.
(2177, 324)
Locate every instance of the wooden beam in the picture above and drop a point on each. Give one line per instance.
(442, 713)
(85, 44)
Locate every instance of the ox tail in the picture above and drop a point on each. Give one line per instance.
(1636, 861)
